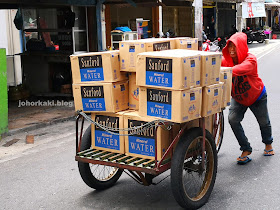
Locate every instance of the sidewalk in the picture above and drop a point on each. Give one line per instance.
(25, 117)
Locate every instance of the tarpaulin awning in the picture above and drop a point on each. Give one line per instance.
(272, 4)
(253, 9)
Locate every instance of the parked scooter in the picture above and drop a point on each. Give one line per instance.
(221, 41)
(210, 46)
(258, 36)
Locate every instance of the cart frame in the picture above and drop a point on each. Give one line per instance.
(159, 166)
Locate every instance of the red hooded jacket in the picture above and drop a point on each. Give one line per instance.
(246, 84)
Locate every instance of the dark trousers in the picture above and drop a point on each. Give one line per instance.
(236, 115)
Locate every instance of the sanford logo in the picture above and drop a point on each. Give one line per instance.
(160, 96)
(141, 132)
(103, 138)
(90, 61)
(159, 64)
(161, 46)
(92, 92)
(107, 121)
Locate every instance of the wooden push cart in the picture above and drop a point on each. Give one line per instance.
(193, 162)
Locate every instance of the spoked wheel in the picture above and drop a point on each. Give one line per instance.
(96, 176)
(192, 179)
(218, 129)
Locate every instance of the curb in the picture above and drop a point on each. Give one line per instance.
(39, 125)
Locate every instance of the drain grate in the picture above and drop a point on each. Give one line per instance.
(9, 143)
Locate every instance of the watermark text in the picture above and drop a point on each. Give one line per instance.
(45, 103)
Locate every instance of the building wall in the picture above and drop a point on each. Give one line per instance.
(226, 18)
(178, 19)
(121, 15)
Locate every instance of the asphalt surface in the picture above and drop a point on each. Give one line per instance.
(45, 175)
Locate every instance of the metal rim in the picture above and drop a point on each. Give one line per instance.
(103, 173)
(197, 179)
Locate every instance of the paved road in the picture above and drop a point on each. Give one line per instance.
(45, 175)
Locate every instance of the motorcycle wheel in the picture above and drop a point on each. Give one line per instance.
(261, 40)
(249, 40)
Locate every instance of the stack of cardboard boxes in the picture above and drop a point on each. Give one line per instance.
(172, 84)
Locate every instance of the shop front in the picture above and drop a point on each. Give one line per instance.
(50, 31)
(273, 16)
(255, 15)
(226, 18)
(49, 37)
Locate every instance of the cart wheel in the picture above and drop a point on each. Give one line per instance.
(96, 176)
(218, 133)
(192, 182)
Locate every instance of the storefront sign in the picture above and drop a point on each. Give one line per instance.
(253, 9)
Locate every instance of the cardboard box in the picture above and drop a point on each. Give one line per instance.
(130, 49)
(212, 99)
(210, 68)
(141, 143)
(104, 140)
(187, 43)
(96, 67)
(101, 97)
(210, 65)
(176, 105)
(226, 78)
(133, 91)
(172, 69)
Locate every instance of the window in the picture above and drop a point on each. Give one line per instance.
(60, 28)
(80, 30)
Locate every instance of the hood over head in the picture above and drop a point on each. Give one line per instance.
(239, 39)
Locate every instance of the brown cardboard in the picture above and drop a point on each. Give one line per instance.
(226, 78)
(133, 91)
(171, 105)
(130, 49)
(96, 67)
(101, 97)
(209, 123)
(142, 143)
(210, 67)
(212, 99)
(104, 140)
(169, 69)
(187, 43)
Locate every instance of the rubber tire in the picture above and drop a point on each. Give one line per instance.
(222, 134)
(84, 168)
(261, 39)
(249, 40)
(177, 167)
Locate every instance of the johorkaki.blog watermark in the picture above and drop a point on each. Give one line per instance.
(45, 103)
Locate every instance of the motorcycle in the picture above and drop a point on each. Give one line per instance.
(258, 36)
(209, 46)
(222, 41)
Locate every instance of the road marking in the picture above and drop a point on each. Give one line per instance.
(274, 48)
